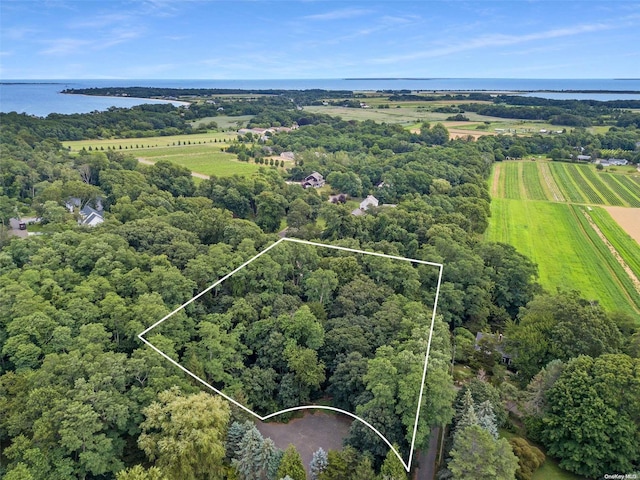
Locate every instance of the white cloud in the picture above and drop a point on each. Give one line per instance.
(340, 14)
(65, 46)
(495, 40)
(18, 33)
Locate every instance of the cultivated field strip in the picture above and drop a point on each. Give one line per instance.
(551, 184)
(512, 180)
(613, 181)
(587, 190)
(531, 182)
(626, 246)
(551, 235)
(568, 187)
(608, 259)
(630, 183)
(609, 196)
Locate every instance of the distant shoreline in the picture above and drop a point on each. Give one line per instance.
(159, 100)
(439, 90)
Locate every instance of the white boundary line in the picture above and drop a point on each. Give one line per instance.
(406, 465)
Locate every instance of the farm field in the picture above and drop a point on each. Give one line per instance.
(625, 244)
(553, 236)
(200, 153)
(583, 184)
(202, 159)
(219, 139)
(224, 122)
(566, 182)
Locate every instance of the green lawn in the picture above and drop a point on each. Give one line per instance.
(551, 471)
(551, 235)
(214, 138)
(200, 153)
(201, 159)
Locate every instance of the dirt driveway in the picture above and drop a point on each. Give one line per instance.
(312, 431)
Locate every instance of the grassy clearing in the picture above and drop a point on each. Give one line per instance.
(626, 246)
(200, 153)
(201, 159)
(224, 122)
(552, 236)
(551, 471)
(216, 138)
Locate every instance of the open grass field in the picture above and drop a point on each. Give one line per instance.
(201, 153)
(218, 139)
(200, 159)
(552, 235)
(409, 114)
(224, 122)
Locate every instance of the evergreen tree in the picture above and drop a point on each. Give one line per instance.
(476, 454)
(318, 463)
(236, 433)
(487, 419)
(364, 470)
(392, 468)
(255, 455)
(469, 416)
(291, 465)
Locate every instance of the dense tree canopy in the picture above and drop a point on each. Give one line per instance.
(82, 398)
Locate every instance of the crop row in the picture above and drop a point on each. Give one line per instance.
(549, 234)
(632, 184)
(552, 185)
(614, 182)
(531, 179)
(589, 193)
(568, 188)
(609, 196)
(607, 257)
(626, 246)
(512, 180)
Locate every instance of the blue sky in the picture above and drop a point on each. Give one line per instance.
(210, 39)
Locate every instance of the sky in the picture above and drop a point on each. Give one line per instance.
(262, 39)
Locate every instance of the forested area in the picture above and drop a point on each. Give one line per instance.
(82, 397)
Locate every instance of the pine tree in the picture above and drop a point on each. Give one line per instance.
(235, 434)
(291, 465)
(468, 414)
(318, 463)
(476, 454)
(252, 460)
(364, 470)
(487, 419)
(392, 467)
